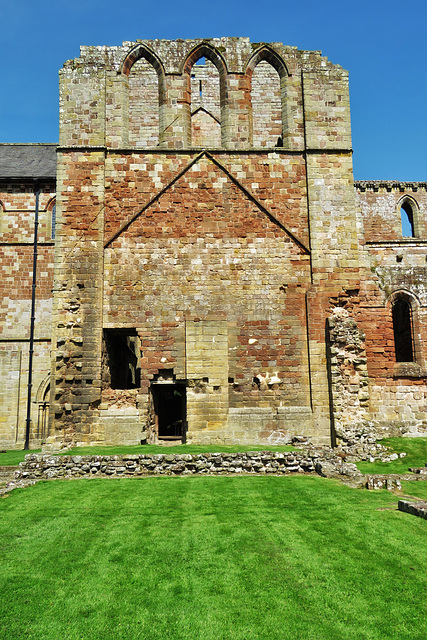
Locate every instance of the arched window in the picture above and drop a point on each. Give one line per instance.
(266, 106)
(50, 219)
(408, 217)
(53, 221)
(403, 330)
(146, 93)
(143, 105)
(42, 400)
(267, 76)
(205, 105)
(206, 95)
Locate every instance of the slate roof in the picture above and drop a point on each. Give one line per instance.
(27, 161)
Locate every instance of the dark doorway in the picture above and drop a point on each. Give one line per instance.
(170, 410)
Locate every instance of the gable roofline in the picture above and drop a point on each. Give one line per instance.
(230, 176)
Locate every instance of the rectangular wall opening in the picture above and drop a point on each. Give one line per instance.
(169, 399)
(120, 359)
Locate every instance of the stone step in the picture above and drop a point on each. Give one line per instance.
(6, 473)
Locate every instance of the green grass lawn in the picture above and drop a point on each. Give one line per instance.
(246, 558)
(415, 489)
(14, 457)
(415, 448)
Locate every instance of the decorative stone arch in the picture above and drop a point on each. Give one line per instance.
(206, 50)
(408, 210)
(269, 55)
(266, 54)
(138, 52)
(142, 51)
(42, 401)
(43, 389)
(405, 316)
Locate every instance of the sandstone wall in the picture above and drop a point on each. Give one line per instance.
(220, 263)
(394, 267)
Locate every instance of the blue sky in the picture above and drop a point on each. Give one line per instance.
(382, 43)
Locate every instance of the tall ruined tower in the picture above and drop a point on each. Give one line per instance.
(206, 226)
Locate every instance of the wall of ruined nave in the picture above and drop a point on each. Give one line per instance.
(395, 268)
(17, 205)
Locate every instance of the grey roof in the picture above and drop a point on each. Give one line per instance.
(27, 161)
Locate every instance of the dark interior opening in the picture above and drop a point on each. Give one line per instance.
(121, 355)
(170, 409)
(403, 334)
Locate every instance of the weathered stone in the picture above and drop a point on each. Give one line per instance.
(415, 508)
(208, 231)
(327, 469)
(383, 482)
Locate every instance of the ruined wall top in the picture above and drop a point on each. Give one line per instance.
(224, 93)
(236, 53)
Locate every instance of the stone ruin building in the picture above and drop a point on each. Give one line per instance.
(217, 274)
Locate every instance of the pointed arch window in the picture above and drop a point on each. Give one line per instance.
(409, 218)
(205, 105)
(51, 219)
(403, 330)
(145, 83)
(42, 400)
(143, 105)
(207, 109)
(267, 79)
(266, 106)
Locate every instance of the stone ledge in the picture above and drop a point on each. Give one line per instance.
(295, 410)
(414, 508)
(409, 370)
(251, 410)
(421, 471)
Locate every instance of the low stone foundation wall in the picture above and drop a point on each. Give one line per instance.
(42, 466)
(323, 461)
(414, 508)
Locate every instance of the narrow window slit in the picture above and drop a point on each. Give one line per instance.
(403, 331)
(407, 220)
